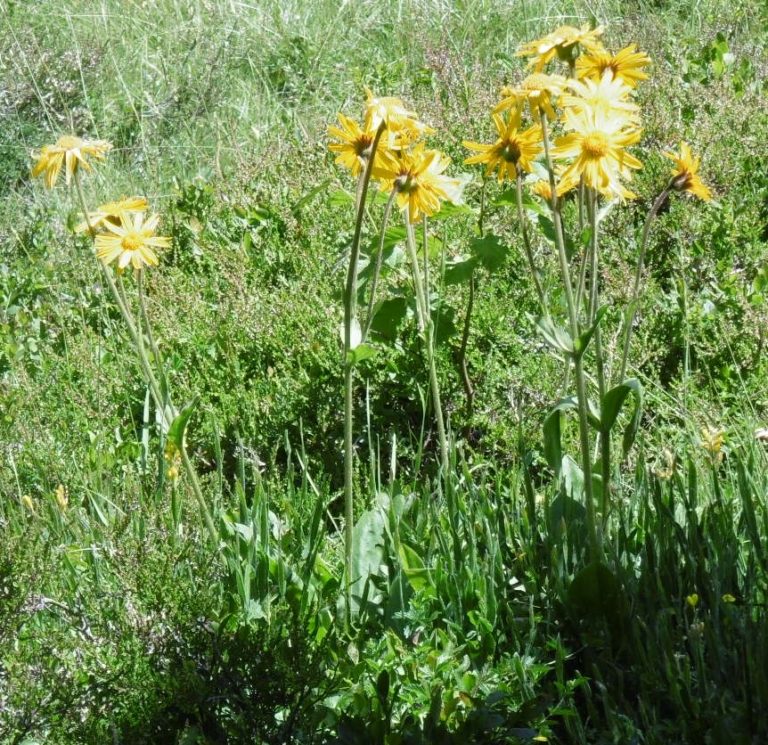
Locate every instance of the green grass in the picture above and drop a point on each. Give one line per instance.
(480, 620)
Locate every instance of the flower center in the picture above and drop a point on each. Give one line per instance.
(363, 146)
(510, 151)
(406, 183)
(68, 142)
(595, 145)
(131, 242)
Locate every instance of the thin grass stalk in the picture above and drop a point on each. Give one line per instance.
(350, 311)
(426, 328)
(632, 309)
(135, 333)
(581, 384)
(527, 242)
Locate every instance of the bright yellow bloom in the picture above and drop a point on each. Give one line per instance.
(728, 598)
(71, 152)
(685, 176)
(692, 600)
(113, 212)
(26, 500)
(561, 42)
(354, 148)
(130, 242)
(597, 143)
(542, 189)
(626, 65)
(609, 96)
(513, 149)
(538, 89)
(416, 177)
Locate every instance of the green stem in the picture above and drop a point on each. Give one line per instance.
(350, 312)
(581, 384)
(379, 262)
(527, 242)
(426, 328)
(632, 309)
(466, 381)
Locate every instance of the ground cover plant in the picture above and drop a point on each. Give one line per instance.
(403, 384)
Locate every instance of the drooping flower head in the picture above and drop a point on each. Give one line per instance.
(609, 96)
(416, 176)
(626, 65)
(712, 440)
(395, 117)
(512, 150)
(132, 241)
(563, 42)
(355, 145)
(538, 90)
(70, 152)
(597, 143)
(685, 177)
(112, 212)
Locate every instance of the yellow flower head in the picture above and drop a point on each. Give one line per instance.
(712, 440)
(112, 212)
(626, 65)
(512, 150)
(131, 241)
(417, 178)
(60, 494)
(609, 96)
(541, 188)
(685, 176)
(692, 600)
(562, 42)
(728, 598)
(69, 151)
(396, 118)
(538, 89)
(354, 148)
(26, 500)
(597, 144)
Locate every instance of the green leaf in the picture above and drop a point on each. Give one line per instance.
(612, 403)
(594, 593)
(490, 251)
(178, 427)
(361, 352)
(388, 315)
(414, 569)
(553, 449)
(583, 341)
(460, 270)
(449, 209)
(305, 199)
(367, 548)
(556, 336)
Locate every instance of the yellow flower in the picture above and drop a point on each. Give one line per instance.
(607, 95)
(597, 143)
(513, 149)
(728, 598)
(416, 177)
(113, 212)
(626, 65)
(692, 600)
(685, 176)
(542, 189)
(712, 440)
(561, 42)
(538, 89)
(396, 118)
(354, 148)
(71, 152)
(61, 497)
(26, 500)
(130, 242)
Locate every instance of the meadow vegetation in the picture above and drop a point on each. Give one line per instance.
(297, 463)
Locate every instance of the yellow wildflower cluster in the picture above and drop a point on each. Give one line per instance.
(594, 110)
(121, 232)
(390, 142)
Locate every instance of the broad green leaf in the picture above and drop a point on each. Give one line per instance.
(556, 336)
(178, 427)
(611, 405)
(596, 593)
(490, 251)
(360, 353)
(460, 270)
(583, 341)
(553, 450)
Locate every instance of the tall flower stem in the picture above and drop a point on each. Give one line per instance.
(350, 315)
(164, 406)
(379, 262)
(426, 328)
(578, 355)
(632, 308)
(527, 242)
